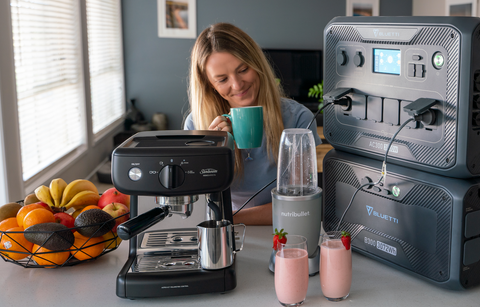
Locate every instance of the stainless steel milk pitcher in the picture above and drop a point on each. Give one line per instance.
(215, 244)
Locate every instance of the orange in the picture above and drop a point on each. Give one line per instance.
(25, 210)
(38, 216)
(111, 240)
(49, 259)
(91, 207)
(6, 224)
(14, 243)
(87, 250)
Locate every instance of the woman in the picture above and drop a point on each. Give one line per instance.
(229, 70)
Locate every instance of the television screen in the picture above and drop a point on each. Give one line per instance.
(298, 71)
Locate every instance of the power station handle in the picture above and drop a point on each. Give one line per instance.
(133, 227)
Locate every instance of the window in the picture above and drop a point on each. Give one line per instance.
(106, 62)
(49, 78)
(68, 89)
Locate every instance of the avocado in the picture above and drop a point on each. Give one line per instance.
(9, 210)
(94, 223)
(52, 236)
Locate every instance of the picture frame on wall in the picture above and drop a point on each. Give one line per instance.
(177, 18)
(363, 7)
(461, 8)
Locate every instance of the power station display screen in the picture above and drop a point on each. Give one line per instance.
(386, 61)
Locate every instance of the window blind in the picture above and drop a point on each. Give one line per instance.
(106, 62)
(49, 78)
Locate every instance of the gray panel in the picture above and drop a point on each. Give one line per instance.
(359, 106)
(471, 251)
(401, 221)
(472, 224)
(428, 148)
(434, 266)
(391, 111)
(375, 108)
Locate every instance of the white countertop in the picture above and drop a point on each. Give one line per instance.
(93, 283)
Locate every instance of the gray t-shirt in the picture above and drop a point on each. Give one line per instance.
(259, 169)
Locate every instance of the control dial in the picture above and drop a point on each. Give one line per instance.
(135, 174)
(171, 176)
(358, 59)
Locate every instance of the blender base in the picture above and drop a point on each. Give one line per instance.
(313, 262)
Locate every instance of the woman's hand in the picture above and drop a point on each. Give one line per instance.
(221, 123)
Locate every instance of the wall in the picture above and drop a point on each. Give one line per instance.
(432, 8)
(156, 68)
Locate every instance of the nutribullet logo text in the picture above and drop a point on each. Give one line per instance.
(295, 214)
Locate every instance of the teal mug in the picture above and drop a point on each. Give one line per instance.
(247, 126)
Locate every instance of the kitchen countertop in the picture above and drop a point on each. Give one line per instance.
(93, 283)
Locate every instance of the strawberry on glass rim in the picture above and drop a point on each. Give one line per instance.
(346, 239)
(279, 237)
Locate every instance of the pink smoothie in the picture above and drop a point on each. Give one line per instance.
(335, 269)
(291, 276)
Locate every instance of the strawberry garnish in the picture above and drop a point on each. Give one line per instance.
(279, 237)
(346, 239)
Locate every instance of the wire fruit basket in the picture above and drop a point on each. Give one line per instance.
(29, 255)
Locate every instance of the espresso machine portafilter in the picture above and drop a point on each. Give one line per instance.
(297, 199)
(174, 167)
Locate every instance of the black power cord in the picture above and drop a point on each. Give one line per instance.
(264, 187)
(383, 175)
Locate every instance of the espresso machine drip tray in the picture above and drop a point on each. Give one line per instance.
(157, 263)
(169, 239)
(167, 250)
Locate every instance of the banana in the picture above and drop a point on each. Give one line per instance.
(75, 187)
(43, 194)
(83, 198)
(78, 207)
(56, 190)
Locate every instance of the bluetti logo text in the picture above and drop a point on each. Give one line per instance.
(378, 33)
(381, 215)
(295, 214)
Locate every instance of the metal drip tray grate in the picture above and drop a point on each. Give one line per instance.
(167, 251)
(169, 240)
(161, 263)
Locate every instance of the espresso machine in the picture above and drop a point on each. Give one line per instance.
(174, 167)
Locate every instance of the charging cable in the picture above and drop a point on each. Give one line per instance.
(383, 174)
(268, 184)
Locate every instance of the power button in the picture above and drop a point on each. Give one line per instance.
(135, 174)
(438, 60)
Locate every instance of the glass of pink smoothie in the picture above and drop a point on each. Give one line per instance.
(291, 271)
(335, 267)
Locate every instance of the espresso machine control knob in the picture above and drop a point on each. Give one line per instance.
(171, 176)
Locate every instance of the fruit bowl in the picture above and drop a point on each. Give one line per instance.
(24, 253)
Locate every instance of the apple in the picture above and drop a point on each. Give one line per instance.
(65, 219)
(116, 210)
(45, 205)
(113, 196)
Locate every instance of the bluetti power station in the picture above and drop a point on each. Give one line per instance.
(390, 62)
(424, 216)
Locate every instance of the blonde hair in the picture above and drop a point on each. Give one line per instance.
(206, 103)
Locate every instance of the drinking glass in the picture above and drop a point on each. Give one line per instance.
(291, 271)
(335, 267)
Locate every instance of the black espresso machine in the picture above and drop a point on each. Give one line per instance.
(174, 167)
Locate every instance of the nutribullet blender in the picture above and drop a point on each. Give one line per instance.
(297, 199)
